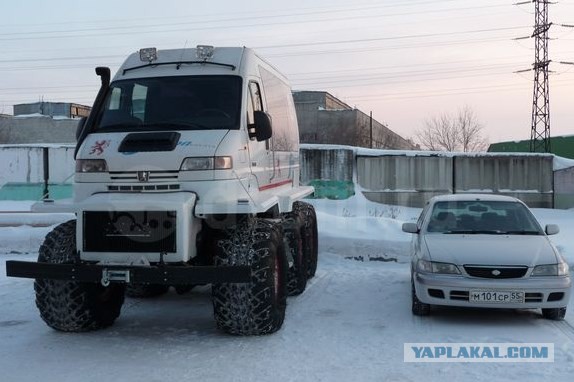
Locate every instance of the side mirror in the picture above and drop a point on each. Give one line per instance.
(410, 228)
(80, 127)
(552, 229)
(263, 129)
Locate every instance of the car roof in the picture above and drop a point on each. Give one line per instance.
(473, 197)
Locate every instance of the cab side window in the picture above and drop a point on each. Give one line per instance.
(254, 102)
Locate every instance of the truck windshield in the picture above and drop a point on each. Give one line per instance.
(170, 103)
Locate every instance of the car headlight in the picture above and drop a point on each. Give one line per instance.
(91, 165)
(436, 267)
(560, 269)
(206, 163)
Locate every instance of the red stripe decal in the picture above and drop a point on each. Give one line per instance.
(273, 185)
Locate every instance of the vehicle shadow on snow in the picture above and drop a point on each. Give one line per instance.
(158, 317)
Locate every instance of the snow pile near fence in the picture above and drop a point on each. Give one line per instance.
(363, 230)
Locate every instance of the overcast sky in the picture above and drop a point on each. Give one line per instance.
(405, 60)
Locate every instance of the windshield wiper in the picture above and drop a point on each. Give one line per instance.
(522, 232)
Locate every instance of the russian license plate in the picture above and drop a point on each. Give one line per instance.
(496, 296)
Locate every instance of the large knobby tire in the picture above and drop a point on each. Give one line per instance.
(293, 235)
(146, 290)
(310, 235)
(256, 307)
(70, 306)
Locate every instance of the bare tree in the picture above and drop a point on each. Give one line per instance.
(462, 132)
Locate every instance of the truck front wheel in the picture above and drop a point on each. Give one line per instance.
(256, 307)
(71, 306)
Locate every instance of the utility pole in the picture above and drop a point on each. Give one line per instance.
(540, 133)
(371, 129)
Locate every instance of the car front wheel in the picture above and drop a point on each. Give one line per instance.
(419, 308)
(554, 313)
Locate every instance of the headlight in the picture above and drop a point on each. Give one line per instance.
(206, 163)
(91, 165)
(435, 267)
(560, 269)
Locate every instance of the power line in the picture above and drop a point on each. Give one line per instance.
(251, 17)
(401, 37)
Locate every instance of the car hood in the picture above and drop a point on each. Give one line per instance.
(490, 249)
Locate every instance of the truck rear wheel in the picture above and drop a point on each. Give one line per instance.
(257, 307)
(293, 231)
(71, 306)
(310, 235)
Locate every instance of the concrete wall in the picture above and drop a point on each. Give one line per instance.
(44, 108)
(404, 180)
(25, 164)
(23, 130)
(410, 178)
(564, 188)
(336, 164)
(529, 178)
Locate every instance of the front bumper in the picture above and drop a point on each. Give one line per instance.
(152, 274)
(454, 290)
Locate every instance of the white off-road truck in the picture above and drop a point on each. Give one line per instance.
(187, 173)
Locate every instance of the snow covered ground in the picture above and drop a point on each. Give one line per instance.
(350, 324)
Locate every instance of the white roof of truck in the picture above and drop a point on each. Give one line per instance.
(189, 63)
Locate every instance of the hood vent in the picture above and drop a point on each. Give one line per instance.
(148, 142)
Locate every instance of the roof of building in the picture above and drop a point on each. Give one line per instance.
(562, 146)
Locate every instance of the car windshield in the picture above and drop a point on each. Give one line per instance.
(482, 217)
(169, 103)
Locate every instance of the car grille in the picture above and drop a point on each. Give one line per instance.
(492, 272)
(129, 231)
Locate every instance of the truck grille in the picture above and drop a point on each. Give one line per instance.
(146, 188)
(129, 231)
(132, 176)
(493, 272)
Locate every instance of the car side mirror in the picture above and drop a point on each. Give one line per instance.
(410, 228)
(80, 127)
(263, 129)
(552, 229)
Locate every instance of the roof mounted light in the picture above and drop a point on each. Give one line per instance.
(204, 52)
(148, 54)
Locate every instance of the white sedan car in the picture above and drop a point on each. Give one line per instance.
(485, 251)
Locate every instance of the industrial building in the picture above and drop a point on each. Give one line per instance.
(325, 119)
(562, 146)
(53, 109)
